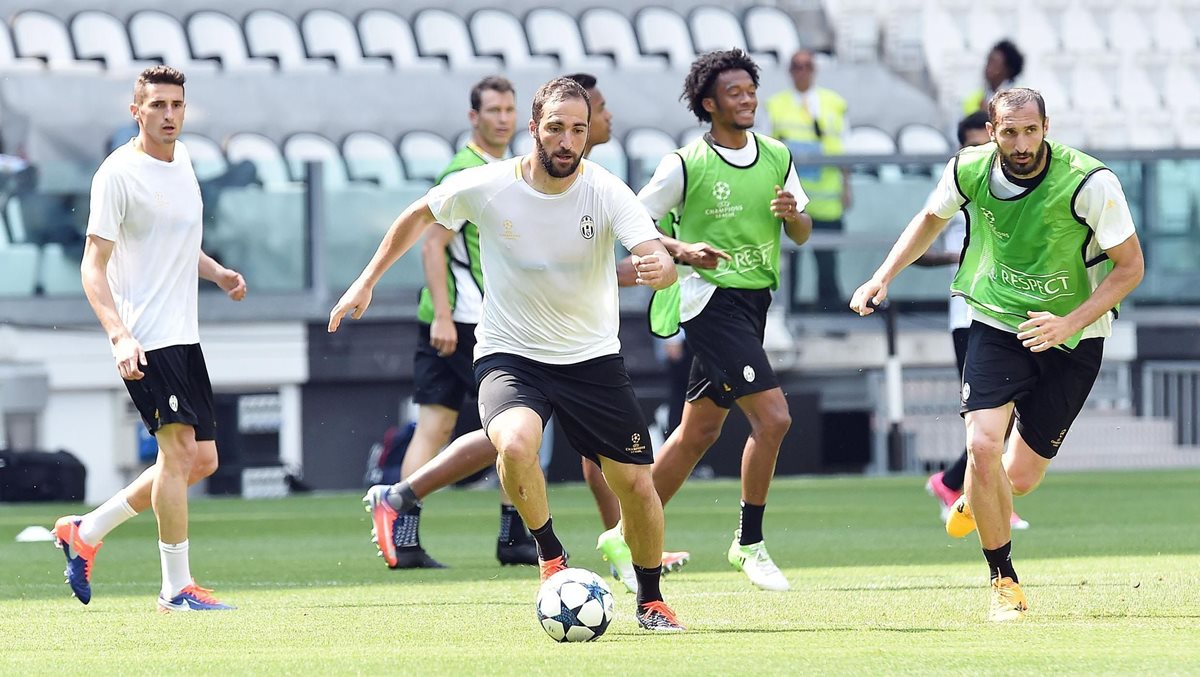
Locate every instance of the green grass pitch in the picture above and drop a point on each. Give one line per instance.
(1111, 566)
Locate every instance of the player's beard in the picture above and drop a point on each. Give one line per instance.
(548, 162)
(1024, 169)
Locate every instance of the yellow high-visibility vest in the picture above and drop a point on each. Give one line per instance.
(793, 124)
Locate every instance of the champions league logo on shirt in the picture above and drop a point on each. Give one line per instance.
(587, 227)
(721, 191)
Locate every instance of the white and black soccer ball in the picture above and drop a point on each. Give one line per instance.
(574, 605)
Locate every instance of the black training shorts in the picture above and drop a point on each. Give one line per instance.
(727, 339)
(445, 381)
(175, 389)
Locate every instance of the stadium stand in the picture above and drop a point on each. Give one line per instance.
(332, 36)
(662, 31)
(496, 32)
(304, 147)
(156, 35)
(102, 37)
(43, 36)
(9, 61)
(424, 155)
(208, 160)
(389, 36)
(271, 35)
(554, 32)
(443, 33)
(213, 35)
(371, 157)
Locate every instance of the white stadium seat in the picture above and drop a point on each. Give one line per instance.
(19, 263)
(157, 35)
(264, 154)
(41, 35)
(424, 154)
(645, 148)
(716, 28)
(867, 140)
(58, 272)
(521, 144)
(496, 32)
(371, 157)
(331, 35)
(101, 36)
(554, 32)
(662, 31)
(208, 160)
(444, 33)
(216, 36)
(771, 30)
(611, 156)
(384, 34)
(273, 35)
(922, 140)
(304, 147)
(608, 32)
(9, 61)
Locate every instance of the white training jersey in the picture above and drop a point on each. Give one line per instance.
(152, 213)
(549, 268)
(1099, 201)
(664, 192)
(468, 299)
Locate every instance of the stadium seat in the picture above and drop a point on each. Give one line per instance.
(101, 37)
(387, 35)
(716, 28)
(1091, 86)
(498, 33)
(867, 140)
(304, 147)
(984, 27)
(690, 134)
(857, 31)
(19, 261)
(521, 144)
(58, 272)
(922, 140)
(444, 33)
(157, 35)
(611, 156)
(208, 160)
(40, 35)
(1126, 30)
(9, 61)
(1084, 36)
(424, 155)
(554, 32)
(662, 31)
(264, 154)
(1171, 32)
(272, 35)
(371, 157)
(330, 35)
(645, 148)
(216, 36)
(607, 32)
(1038, 36)
(1181, 90)
(771, 30)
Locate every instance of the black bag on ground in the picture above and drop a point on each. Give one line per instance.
(41, 476)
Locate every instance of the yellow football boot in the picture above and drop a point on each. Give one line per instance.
(1008, 602)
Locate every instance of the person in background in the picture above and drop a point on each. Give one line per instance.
(1000, 72)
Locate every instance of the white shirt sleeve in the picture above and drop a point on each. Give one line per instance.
(1102, 205)
(629, 220)
(664, 192)
(792, 185)
(457, 199)
(107, 208)
(945, 199)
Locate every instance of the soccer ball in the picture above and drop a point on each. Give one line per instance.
(574, 605)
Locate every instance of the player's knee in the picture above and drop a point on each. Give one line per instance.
(204, 466)
(517, 446)
(1024, 483)
(775, 424)
(986, 449)
(700, 437)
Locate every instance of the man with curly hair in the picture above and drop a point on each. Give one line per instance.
(733, 191)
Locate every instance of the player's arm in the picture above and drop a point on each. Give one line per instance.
(663, 193)
(916, 239)
(788, 205)
(626, 272)
(443, 335)
(652, 265)
(401, 236)
(126, 349)
(229, 280)
(935, 259)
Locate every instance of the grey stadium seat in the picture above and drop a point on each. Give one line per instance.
(157, 35)
(208, 160)
(216, 36)
(770, 30)
(59, 272)
(274, 35)
(18, 269)
(645, 148)
(264, 154)
(41, 35)
(303, 147)
(922, 140)
(329, 34)
(521, 144)
(102, 37)
(607, 31)
(371, 157)
(553, 31)
(9, 61)
(611, 156)
(384, 34)
(716, 28)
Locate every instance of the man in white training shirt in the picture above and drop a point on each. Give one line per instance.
(547, 343)
(140, 267)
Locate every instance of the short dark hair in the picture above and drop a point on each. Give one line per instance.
(1013, 58)
(496, 83)
(559, 89)
(976, 120)
(156, 75)
(1015, 98)
(585, 80)
(702, 78)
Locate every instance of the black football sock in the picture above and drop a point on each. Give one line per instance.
(548, 544)
(648, 584)
(401, 497)
(1000, 562)
(751, 523)
(512, 527)
(953, 477)
(408, 527)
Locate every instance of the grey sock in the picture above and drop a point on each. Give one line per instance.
(401, 497)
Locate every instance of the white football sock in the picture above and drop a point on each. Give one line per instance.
(95, 525)
(176, 572)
